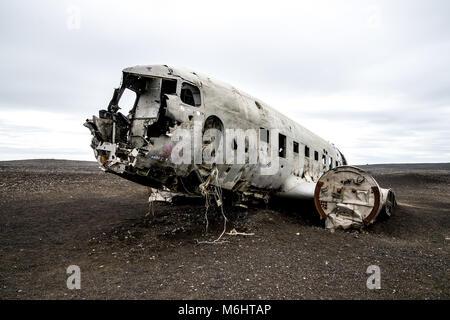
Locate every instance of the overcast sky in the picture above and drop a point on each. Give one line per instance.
(373, 77)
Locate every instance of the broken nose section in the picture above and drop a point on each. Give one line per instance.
(104, 134)
(108, 143)
(348, 197)
(117, 152)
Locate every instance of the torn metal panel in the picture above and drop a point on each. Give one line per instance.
(177, 111)
(161, 195)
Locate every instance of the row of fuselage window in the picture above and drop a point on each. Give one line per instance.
(264, 136)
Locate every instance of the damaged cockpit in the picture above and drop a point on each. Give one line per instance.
(135, 145)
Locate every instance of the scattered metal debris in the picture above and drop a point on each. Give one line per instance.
(233, 232)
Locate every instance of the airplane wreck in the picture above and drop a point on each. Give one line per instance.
(186, 133)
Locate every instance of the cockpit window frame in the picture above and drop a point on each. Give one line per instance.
(196, 94)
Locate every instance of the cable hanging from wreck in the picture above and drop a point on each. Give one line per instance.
(217, 193)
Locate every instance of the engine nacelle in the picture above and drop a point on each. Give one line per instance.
(348, 197)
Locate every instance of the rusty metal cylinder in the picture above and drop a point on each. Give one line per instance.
(348, 197)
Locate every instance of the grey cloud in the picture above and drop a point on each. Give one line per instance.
(372, 48)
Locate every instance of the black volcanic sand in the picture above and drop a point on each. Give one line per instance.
(56, 213)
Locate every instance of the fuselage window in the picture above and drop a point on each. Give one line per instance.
(264, 135)
(235, 144)
(282, 145)
(331, 163)
(295, 147)
(190, 95)
(168, 86)
(324, 159)
(307, 151)
(316, 155)
(127, 99)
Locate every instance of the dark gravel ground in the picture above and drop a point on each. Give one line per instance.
(56, 213)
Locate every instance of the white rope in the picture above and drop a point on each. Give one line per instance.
(217, 192)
